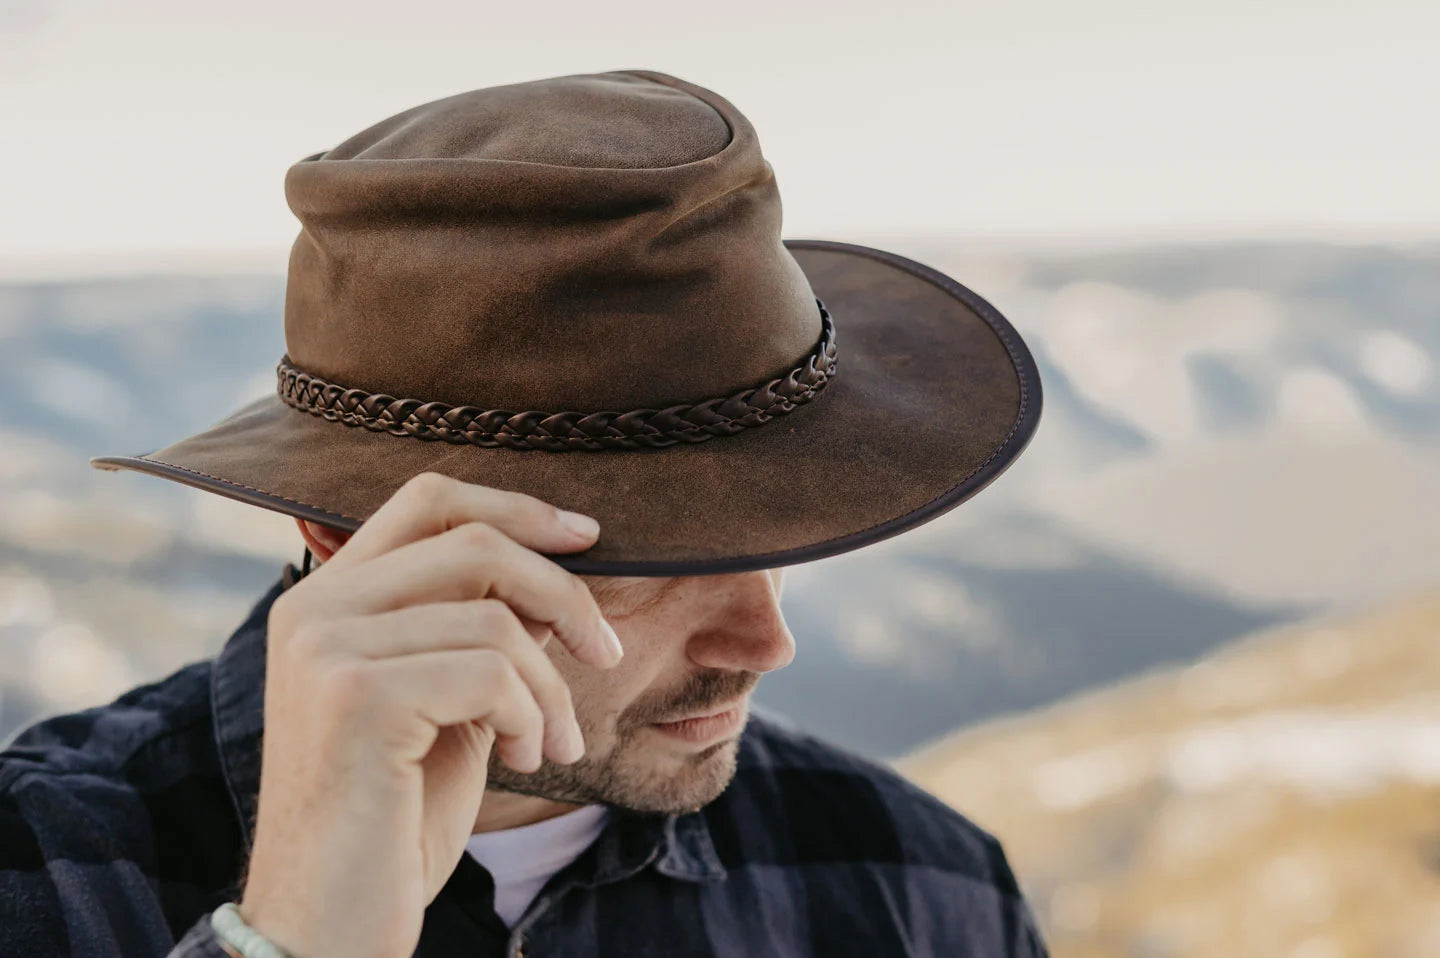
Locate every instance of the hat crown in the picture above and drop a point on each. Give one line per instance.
(581, 242)
(587, 121)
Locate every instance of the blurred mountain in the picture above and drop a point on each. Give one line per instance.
(1233, 436)
(1277, 797)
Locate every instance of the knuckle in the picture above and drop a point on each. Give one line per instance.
(496, 671)
(308, 639)
(423, 491)
(489, 617)
(477, 535)
(426, 482)
(350, 687)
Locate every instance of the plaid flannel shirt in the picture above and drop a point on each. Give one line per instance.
(123, 826)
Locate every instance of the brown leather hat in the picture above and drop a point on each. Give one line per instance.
(576, 287)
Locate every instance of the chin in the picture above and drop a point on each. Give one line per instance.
(635, 779)
(699, 780)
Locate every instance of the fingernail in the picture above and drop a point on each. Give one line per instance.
(582, 525)
(613, 642)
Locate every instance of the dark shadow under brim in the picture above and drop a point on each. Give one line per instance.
(935, 394)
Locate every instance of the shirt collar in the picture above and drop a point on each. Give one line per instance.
(679, 846)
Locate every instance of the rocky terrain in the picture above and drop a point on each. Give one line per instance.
(1279, 797)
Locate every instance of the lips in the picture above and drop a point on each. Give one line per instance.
(707, 726)
(712, 711)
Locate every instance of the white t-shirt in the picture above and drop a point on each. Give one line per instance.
(523, 859)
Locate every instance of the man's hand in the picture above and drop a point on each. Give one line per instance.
(391, 671)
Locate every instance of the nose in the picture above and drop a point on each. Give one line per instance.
(745, 628)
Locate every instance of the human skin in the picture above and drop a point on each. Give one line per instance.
(435, 659)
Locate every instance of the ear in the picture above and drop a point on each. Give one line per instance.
(322, 540)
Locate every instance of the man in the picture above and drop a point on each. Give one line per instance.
(557, 407)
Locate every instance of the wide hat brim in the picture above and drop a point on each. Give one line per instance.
(935, 394)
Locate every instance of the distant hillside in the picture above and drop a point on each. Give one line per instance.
(1280, 797)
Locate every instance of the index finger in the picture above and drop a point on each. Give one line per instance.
(475, 561)
(430, 503)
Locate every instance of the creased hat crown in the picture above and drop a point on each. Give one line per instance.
(580, 242)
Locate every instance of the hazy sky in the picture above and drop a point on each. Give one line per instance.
(158, 133)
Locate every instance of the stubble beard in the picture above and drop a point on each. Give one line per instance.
(626, 776)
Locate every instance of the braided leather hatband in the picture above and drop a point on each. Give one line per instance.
(564, 431)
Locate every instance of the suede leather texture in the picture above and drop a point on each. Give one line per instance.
(583, 242)
(609, 242)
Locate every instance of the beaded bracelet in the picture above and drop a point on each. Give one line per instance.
(232, 929)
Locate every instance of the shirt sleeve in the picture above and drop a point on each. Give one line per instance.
(29, 904)
(66, 888)
(1020, 929)
(1030, 944)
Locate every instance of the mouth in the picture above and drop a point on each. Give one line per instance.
(711, 725)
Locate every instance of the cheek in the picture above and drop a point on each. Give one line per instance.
(601, 695)
(654, 664)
